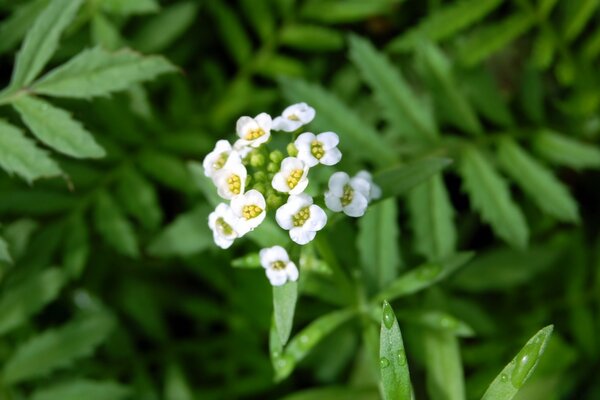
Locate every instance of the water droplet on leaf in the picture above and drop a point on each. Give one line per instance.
(384, 362)
(388, 315)
(504, 378)
(401, 357)
(526, 360)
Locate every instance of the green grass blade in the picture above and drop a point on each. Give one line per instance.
(284, 305)
(395, 376)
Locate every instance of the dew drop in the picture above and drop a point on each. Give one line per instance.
(384, 362)
(401, 357)
(504, 378)
(388, 315)
(526, 360)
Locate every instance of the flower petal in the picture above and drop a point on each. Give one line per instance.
(245, 124)
(270, 255)
(276, 277)
(291, 271)
(328, 139)
(331, 156)
(283, 216)
(264, 121)
(279, 183)
(317, 219)
(357, 206)
(304, 140)
(284, 124)
(337, 181)
(361, 185)
(302, 236)
(333, 202)
(299, 188)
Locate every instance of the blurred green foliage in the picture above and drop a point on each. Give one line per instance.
(111, 286)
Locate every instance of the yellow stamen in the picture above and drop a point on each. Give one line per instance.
(316, 148)
(294, 178)
(348, 195)
(293, 117)
(278, 265)
(251, 211)
(254, 134)
(234, 183)
(223, 227)
(301, 217)
(220, 162)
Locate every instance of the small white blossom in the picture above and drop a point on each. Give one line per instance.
(301, 217)
(249, 208)
(231, 179)
(242, 148)
(223, 222)
(350, 195)
(294, 117)
(278, 267)
(216, 159)
(322, 148)
(292, 177)
(375, 190)
(253, 131)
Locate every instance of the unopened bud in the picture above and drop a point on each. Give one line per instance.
(292, 150)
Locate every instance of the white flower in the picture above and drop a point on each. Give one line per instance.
(223, 222)
(294, 117)
(231, 179)
(375, 192)
(242, 148)
(216, 159)
(292, 177)
(350, 195)
(301, 217)
(321, 148)
(277, 265)
(249, 208)
(253, 131)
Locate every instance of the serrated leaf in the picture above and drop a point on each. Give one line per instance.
(160, 31)
(403, 109)
(22, 300)
(485, 95)
(515, 374)
(14, 28)
(284, 306)
(400, 179)
(98, 72)
(343, 11)
(395, 377)
(187, 235)
(537, 181)
(116, 230)
(445, 22)
(562, 150)
(432, 218)
(57, 348)
(56, 128)
(78, 389)
(20, 155)
(42, 40)
(490, 195)
(423, 276)
(311, 37)
(451, 100)
(105, 33)
(445, 378)
(377, 242)
(129, 7)
(306, 339)
(493, 37)
(333, 115)
(139, 198)
(76, 247)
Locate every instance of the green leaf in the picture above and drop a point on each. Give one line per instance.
(188, 234)
(424, 276)
(35, 202)
(563, 150)
(311, 37)
(377, 242)
(577, 13)
(395, 377)
(445, 379)
(105, 33)
(399, 180)
(437, 320)
(490, 195)
(116, 230)
(343, 11)
(20, 155)
(42, 40)
(251, 260)
(333, 115)
(162, 30)
(76, 246)
(57, 348)
(97, 72)
(515, 374)
(308, 338)
(493, 37)
(284, 305)
(231, 31)
(445, 22)
(56, 128)
(129, 7)
(167, 169)
(538, 182)
(176, 385)
(139, 198)
(78, 389)
(335, 393)
(21, 301)
(485, 95)
(4, 253)
(403, 109)
(261, 15)
(14, 28)
(451, 99)
(432, 217)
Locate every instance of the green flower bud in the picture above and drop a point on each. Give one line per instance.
(273, 167)
(276, 156)
(260, 176)
(274, 201)
(261, 187)
(257, 159)
(292, 150)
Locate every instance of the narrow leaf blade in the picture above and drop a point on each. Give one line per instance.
(395, 376)
(284, 306)
(78, 389)
(400, 179)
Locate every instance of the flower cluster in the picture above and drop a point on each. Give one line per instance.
(253, 179)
